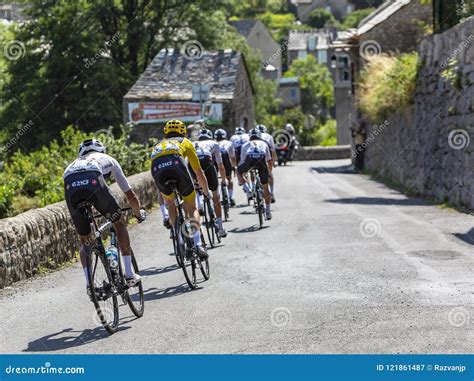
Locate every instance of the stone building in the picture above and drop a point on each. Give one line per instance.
(315, 42)
(289, 92)
(258, 37)
(165, 91)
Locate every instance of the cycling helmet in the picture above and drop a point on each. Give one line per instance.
(205, 134)
(90, 145)
(239, 131)
(289, 127)
(255, 134)
(261, 128)
(175, 125)
(220, 134)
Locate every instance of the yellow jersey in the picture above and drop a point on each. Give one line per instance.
(177, 146)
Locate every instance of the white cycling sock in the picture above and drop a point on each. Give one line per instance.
(246, 188)
(197, 238)
(219, 223)
(199, 201)
(164, 212)
(86, 274)
(231, 192)
(267, 207)
(127, 260)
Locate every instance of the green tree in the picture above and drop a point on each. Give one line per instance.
(316, 83)
(353, 19)
(321, 18)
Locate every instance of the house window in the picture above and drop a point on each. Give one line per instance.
(293, 94)
(323, 56)
(312, 42)
(344, 61)
(349, 8)
(302, 54)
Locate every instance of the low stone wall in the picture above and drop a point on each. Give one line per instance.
(429, 147)
(46, 237)
(323, 153)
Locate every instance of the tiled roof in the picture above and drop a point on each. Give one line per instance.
(244, 26)
(298, 39)
(171, 75)
(385, 11)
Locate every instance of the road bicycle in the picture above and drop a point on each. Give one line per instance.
(106, 275)
(210, 222)
(183, 242)
(225, 200)
(257, 191)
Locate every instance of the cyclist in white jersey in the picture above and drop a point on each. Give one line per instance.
(228, 159)
(266, 137)
(238, 140)
(255, 153)
(84, 180)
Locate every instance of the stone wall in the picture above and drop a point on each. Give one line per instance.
(429, 147)
(46, 237)
(323, 153)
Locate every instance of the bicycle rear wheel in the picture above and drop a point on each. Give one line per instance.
(135, 297)
(260, 207)
(185, 255)
(205, 270)
(209, 223)
(103, 293)
(174, 238)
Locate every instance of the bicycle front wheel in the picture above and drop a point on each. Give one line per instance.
(135, 297)
(185, 254)
(103, 293)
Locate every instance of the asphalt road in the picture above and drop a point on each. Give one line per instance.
(347, 265)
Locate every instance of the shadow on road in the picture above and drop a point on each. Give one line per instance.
(343, 169)
(159, 270)
(69, 338)
(250, 229)
(466, 237)
(156, 293)
(378, 201)
(248, 212)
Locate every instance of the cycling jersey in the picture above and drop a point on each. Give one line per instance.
(239, 140)
(102, 163)
(208, 148)
(256, 149)
(267, 138)
(226, 146)
(177, 146)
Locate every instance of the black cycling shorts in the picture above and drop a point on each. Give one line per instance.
(255, 162)
(227, 164)
(237, 153)
(172, 167)
(89, 186)
(207, 165)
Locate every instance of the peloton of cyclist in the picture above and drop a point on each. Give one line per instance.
(255, 153)
(84, 181)
(209, 153)
(266, 137)
(228, 159)
(168, 163)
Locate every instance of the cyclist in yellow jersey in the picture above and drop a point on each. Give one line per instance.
(168, 163)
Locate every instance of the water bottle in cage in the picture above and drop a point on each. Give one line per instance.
(112, 256)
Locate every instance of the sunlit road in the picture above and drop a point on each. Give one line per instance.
(347, 265)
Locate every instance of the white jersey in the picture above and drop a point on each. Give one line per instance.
(267, 138)
(239, 140)
(255, 149)
(106, 165)
(208, 148)
(226, 146)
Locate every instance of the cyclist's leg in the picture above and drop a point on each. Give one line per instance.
(264, 178)
(164, 210)
(242, 176)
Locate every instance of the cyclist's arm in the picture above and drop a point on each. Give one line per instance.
(218, 157)
(272, 149)
(268, 158)
(232, 157)
(243, 154)
(125, 187)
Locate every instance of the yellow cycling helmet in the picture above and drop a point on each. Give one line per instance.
(174, 125)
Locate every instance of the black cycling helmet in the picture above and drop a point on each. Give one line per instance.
(255, 134)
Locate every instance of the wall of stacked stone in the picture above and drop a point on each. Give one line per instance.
(46, 237)
(429, 147)
(323, 153)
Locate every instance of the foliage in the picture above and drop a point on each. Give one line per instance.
(278, 24)
(316, 80)
(35, 179)
(387, 85)
(353, 19)
(322, 18)
(252, 8)
(326, 135)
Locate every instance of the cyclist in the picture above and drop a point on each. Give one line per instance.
(84, 180)
(228, 159)
(266, 137)
(209, 153)
(239, 138)
(293, 142)
(168, 163)
(255, 153)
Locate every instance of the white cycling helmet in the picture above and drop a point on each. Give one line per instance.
(255, 133)
(90, 145)
(220, 134)
(205, 134)
(289, 127)
(261, 128)
(239, 131)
